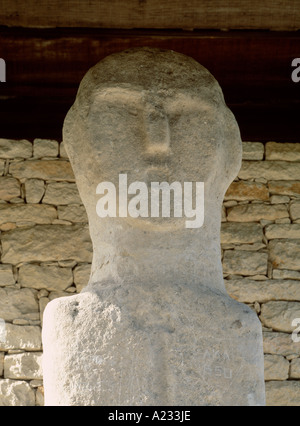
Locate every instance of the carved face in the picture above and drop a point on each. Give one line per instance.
(153, 134)
(155, 116)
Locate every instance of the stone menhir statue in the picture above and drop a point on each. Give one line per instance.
(153, 147)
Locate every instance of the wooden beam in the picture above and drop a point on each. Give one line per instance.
(160, 14)
(45, 67)
(244, 59)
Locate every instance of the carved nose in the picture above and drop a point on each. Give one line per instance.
(157, 131)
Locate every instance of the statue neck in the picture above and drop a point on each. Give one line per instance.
(137, 255)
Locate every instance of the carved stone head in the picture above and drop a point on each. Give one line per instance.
(154, 115)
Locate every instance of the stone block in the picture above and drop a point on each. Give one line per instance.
(10, 148)
(62, 151)
(45, 148)
(44, 243)
(81, 276)
(279, 315)
(6, 275)
(253, 151)
(279, 231)
(247, 191)
(26, 337)
(283, 393)
(16, 393)
(33, 213)
(39, 396)
(295, 369)
(57, 170)
(2, 167)
(283, 151)
(75, 214)
(9, 188)
(49, 277)
(270, 170)
(256, 212)
(280, 344)
(1, 364)
(286, 274)
(249, 291)
(289, 188)
(24, 366)
(241, 233)
(285, 254)
(276, 367)
(244, 262)
(18, 304)
(62, 193)
(295, 210)
(279, 199)
(34, 190)
(43, 302)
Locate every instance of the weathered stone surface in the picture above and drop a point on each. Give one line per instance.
(45, 148)
(295, 210)
(40, 396)
(295, 369)
(49, 277)
(283, 220)
(276, 367)
(279, 199)
(76, 214)
(62, 193)
(290, 188)
(253, 151)
(248, 247)
(81, 275)
(15, 148)
(285, 394)
(145, 294)
(256, 212)
(6, 275)
(285, 254)
(62, 151)
(282, 231)
(2, 166)
(24, 366)
(244, 262)
(35, 213)
(34, 190)
(247, 191)
(286, 274)
(14, 393)
(280, 344)
(250, 291)
(42, 169)
(17, 304)
(47, 243)
(279, 315)
(270, 170)
(43, 302)
(9, 188)
(1, 363)
(283, 151)
(241, 233)
(26, 337)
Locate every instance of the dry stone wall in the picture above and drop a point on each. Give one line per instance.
(46, 253)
